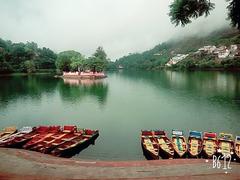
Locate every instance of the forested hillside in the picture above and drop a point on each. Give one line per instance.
(157, 57)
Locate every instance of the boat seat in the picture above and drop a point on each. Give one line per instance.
(148, 144)
(210, 147)
(179, 143)
(238, 149)
(194, 146)
(147, 136)
(225, 147)
(164, 145)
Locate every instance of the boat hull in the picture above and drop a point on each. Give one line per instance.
(183, 152)
(68, 152)
(229, 151)
(164, 154)
(194, 153)
(206, 154)
(149, 155)
(237, 151)
(166, 149)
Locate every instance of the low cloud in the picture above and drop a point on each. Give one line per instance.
(121, 27)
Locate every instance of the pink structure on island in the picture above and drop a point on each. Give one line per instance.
(88, 74)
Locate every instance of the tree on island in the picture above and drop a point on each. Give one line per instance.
(69, 60)
(182, 11)
(98, 62)
(75, 61)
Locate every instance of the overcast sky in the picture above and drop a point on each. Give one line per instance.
(120, 26)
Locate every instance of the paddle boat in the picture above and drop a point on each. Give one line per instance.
(149, 145)
(225, 144)
(237, 148)
(49, 143)
(7, 141)
(51, 130)
(76, 144)
(7, 132)
(195, 143)
(166, 149)
(179, 143)
(210, 144)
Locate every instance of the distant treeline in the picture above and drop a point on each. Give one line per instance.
(29, 58)
(157, 57)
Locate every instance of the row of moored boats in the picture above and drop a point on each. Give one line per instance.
(55, 140)
(156, 144)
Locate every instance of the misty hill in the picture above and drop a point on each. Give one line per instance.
(158, 56)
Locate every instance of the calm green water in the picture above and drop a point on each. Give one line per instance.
(123, 104)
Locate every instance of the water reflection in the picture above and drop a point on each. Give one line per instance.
(17, 87)
(14, 88)
(215, 86)
(83, 82)
(75, 90)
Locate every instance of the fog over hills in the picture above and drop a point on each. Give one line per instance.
(121, 27)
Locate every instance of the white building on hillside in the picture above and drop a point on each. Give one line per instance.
(222, 52)
(207, 49)
(176, 59)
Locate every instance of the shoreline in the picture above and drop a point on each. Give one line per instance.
(24, 164)
(220, 69)
(206, 69)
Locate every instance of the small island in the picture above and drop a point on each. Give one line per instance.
(72, 64)
(84, 75)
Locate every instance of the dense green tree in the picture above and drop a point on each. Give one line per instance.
(28, 57)
(68, 60)
(46, 59)
(3, 44)
(78, 63)
(98, 62)
(100, 53)
(29, 66)
(234, 12)
(182, 11)
(5, 67)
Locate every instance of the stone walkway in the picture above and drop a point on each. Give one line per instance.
(22, 164)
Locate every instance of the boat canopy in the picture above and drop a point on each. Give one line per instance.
(196, 134)
(147, 132)
(210, 135)
(159, 132)
(26, 129)
(237, 138)
(177, 132)
(225, 136)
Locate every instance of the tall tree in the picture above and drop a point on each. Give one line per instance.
(98, 62)
(100, 53)
(182, 11)
(78, 63)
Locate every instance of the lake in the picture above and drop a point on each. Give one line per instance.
(123, 104)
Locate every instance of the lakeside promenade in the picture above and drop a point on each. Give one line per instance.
(22, 164)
